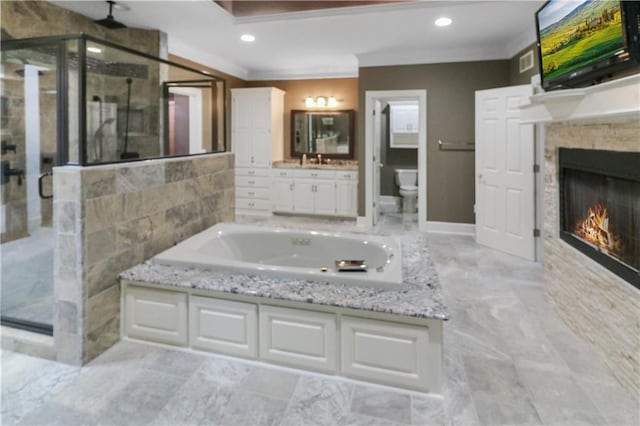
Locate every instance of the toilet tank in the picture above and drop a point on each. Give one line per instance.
(406, 177)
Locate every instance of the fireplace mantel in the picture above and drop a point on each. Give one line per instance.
(606, 102)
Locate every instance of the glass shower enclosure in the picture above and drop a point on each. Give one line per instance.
(79, 100)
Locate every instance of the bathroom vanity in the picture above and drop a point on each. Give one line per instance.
(325, 190)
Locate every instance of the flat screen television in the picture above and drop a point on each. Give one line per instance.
(582, 42)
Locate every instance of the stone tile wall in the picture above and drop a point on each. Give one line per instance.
(596, 304)
(112, 217)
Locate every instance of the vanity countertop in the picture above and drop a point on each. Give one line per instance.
(333, 165)
(420, 295)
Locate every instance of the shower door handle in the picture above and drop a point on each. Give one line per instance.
(40, 181)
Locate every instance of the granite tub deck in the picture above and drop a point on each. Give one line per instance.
(389, 337)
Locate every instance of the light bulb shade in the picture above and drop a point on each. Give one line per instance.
(309, 102)
(333, 102)
(321, 101)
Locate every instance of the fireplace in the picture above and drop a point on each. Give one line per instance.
(600, 207)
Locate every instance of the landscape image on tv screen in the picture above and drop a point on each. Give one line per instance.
(576, 33)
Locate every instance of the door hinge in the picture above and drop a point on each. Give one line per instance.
(474, 209)
(374, 204)
(374, 112)
(536, 232)
(536, 168)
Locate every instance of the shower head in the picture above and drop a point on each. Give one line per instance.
(110, 21)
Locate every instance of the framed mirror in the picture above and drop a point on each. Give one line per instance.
(329, 133)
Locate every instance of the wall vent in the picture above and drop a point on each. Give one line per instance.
(526, 61)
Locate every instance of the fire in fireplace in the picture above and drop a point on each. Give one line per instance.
(600, 207)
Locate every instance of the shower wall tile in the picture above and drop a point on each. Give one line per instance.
(129, 206)
(123, 214)
(100, 244)
(136, 177)
(67, 316)
(98, 183)
(66, 217)
(100, 213)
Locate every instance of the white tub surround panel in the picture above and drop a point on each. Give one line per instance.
(257, 138)
(595, 303)
(392, 337)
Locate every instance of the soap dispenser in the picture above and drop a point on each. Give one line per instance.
(304, 159)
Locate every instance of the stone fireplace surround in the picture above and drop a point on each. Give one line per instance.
(596, 304)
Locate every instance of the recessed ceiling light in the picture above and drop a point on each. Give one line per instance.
(443, 22)
(94, 49)
(247, 37)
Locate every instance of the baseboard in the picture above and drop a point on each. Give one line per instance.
(451, 228)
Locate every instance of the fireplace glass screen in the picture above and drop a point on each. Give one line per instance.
(603, 212)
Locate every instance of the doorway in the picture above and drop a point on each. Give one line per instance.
(29, 152)
(379, 138)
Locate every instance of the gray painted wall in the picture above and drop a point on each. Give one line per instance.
(515, 77)
(450, 116)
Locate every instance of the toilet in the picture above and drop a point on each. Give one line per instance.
(407, 181)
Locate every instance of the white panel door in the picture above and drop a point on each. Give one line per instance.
(261, 149)
(504, 172)
(303, 196)
(346, 198)
(282, 194)
(324, 198)
(375, 173)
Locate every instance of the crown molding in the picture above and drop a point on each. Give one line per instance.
(349, 72)
(208, 59)
(432, 56)
(523, 40)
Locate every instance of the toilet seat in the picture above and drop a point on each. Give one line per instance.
(408, 188)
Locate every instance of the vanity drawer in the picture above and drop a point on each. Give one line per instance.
(277, 173)
(224, 326)
(240, 171)
(315, 174)
(252, 204)
(254, 193)
(351, 175)
(252, 181)
(298, 338)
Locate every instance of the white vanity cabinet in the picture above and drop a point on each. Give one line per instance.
(347, 193)
(311, 191)
(257, 134)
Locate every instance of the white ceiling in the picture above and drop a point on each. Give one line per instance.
(330, 43)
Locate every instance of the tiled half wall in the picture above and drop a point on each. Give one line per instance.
(594, 302)
(110, 218)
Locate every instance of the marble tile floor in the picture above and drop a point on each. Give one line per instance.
(508, 360)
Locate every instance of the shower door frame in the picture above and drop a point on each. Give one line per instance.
(61, 140)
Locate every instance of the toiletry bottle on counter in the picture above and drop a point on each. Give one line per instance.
(304, 159)
(319, 159)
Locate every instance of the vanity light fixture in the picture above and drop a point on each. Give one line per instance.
(309, 102)
(248, 38)
(321, 102)
(443, 22)
(94, 49)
